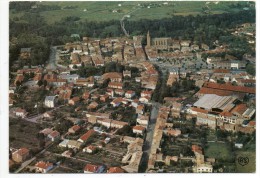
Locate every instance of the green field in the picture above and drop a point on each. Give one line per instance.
(218, 151)
(102, 11)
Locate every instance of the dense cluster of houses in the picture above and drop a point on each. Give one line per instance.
(219, 101)
(62, 84)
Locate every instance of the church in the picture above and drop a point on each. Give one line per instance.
(159, 43)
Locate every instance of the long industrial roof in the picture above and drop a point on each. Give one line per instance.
(210, 101)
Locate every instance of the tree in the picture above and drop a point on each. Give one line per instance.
(14, 167)
(221, 81)
(110, 67)
(119, 67)
(81, 71)
(41, 144)
(40, 136)
(63, 125)
(221, 134)
(45, 83)
(250, 68)
(234, 83)
(125, 131)
(18, 83)
(40, 83)
(184, 84)
(105, 83)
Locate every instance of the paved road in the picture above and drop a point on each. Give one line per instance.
(149, 136)
(33, 118)
(36, 117)
(54, 55)
(75, 158)
(52, 59)
(125, 16)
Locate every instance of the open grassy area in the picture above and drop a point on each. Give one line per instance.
(218, 151)
(103, 11)
(250, 167)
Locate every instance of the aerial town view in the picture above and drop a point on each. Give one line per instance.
(132, 87)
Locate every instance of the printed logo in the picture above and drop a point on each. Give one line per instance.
(242, 160)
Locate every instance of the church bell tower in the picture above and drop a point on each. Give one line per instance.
(148, 38)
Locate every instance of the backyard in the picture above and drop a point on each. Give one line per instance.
(220, 151)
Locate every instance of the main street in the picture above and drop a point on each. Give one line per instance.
(149, 136)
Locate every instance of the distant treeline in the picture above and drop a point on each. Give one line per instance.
(203, 29)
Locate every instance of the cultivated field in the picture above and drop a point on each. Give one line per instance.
(103, 11)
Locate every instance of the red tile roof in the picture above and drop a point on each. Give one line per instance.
(116, 84)
(112, 75)
(248, 81)
(221, 71)
(115, 170)
(196, 148)
(138, 127)
(229, 87)
(174, 132)
(140, 107)
(226, 114)
(75, 128)
(43, 165)
(56, 80)
(252, 123)
(240, 108)
(19, 78)
(23, 151)
(199, 110)
(75, 99)
(90, 168)
(218, 92)
(91, 147)
(117, 100)
(86, 136)
(20, 110)
(50, 76)
(54, 134)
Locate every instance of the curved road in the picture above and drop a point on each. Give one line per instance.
(122, 21)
